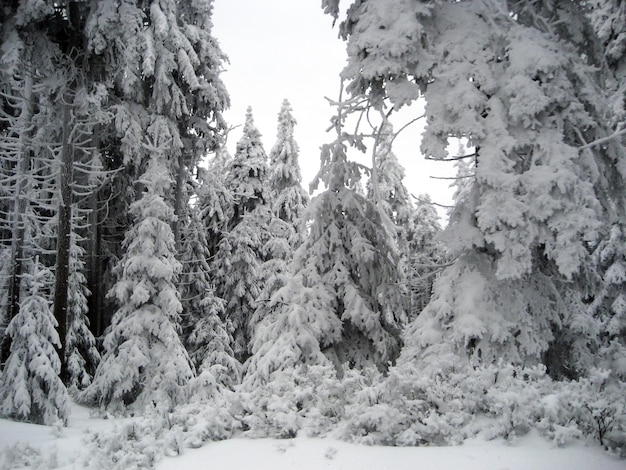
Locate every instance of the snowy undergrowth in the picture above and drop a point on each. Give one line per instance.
(401, 409)
(407, 409)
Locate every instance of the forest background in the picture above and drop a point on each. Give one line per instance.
(146, 270)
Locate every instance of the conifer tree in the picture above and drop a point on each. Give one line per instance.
(25, 161)
(215, 203)
(31, 389)
(298, 326)
(386, 190)
(287, 227)
(82, 356)
(542, 183)
(207, 337)
(386, 186)
(145, 362)
(165, 65)
(606, 329)
(238, 274)
(425, 252)
(248, 173)
(340, 308)
(289, 199)
(240, 253)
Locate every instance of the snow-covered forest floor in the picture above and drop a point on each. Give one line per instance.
(44, 447)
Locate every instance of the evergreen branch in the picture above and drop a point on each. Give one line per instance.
(405, 126)
(601, 140)
(452, 159)
(453, 178)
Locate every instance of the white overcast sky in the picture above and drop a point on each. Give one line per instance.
(281, 49)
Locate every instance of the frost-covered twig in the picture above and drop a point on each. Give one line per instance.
(602, 140)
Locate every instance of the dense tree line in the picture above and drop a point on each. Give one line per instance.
(129, 267)
(143, 266)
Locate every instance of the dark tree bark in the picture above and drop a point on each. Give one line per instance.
(19, 211)
(64, 231)
(178, 202)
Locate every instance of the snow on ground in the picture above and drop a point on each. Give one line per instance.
(530, 453)
(65, 449)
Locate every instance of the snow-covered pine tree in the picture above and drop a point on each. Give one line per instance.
(215, 203)
(340, 305)
(608, 20)
(240, 253)
(387, 191)
(164, 63)
(287, 227)
(239, 275)
(43, 56)
(425, 252)
(207, 337)
(4, 291)
(386, 187)
(248, 172)
(298, 326)
(607, 330)
(525, 96)
(20, 151)
(82, 356)
(145, 363)
(289, 199)
(31, 389)
(350, 251)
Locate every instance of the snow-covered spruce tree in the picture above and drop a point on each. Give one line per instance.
(31, 389)
(82, 356)
(207, 338)
(44, 61)
(238, 274)
(385, 187)
(606, 328)
(4, 291)
(277, 253)
(298, 325)
(523, 95)
(287, 227)
(351, 253)
(344, 308)
(608, 19)
(144, 362)
(248, 173)
(240, 253)
(215, 203)
(425, 252)
(289, 199)
(387, 191)
(30, 72)
(163, 63)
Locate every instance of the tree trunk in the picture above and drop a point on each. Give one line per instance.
(64, 231)
(178, 202)
(94, 267)
(23, 156)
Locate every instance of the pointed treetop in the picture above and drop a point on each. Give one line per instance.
(250, 144)
(249, 128)
(286, 121)
(284, 154)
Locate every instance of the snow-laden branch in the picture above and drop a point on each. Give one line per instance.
(602, 140)
(452, 159)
